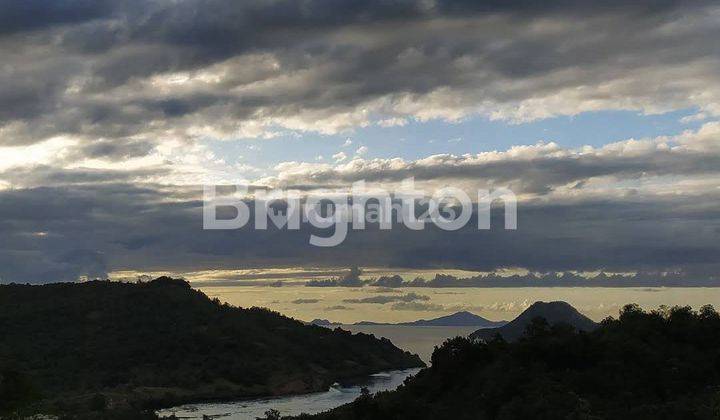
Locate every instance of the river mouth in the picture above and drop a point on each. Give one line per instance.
(290, 405)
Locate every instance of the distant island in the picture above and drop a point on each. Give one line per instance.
(458, 319)
(102, 347)
(661, 364)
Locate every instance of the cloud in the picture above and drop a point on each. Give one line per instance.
(538, 169)
(384, 299)
(338, 308)
(417, 306)
(44, 175)
(362, 150)
(508, 306)
(647, 204)
(114, 150)
(305, 301)
(146, 228)
(138, 71)
(339, 157)
(110, 109)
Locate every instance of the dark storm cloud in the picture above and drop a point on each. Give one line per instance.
(31, 15)
(83, 68)
(54, 234)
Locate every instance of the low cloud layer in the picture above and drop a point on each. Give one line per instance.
(60, 233)
(384, 299)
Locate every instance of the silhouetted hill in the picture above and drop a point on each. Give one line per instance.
(643, 366)
(458, 319)
(322, 322)
(72, 347)
(552, 312)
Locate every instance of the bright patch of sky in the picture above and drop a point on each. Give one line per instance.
(416, 140)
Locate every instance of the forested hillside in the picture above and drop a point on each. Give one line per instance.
(643, 366)
(106, 345)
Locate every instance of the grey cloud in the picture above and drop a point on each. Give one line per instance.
(305, 301)
(45, 175)
(100, 71)
(416, 306)
(54, 234)
(115, 150)
(384, 299)
(33, 15)
(338, 308)
(326, 60)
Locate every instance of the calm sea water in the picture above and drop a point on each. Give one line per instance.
(418, 340)
(293, 405)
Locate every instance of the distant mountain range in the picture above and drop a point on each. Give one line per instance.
(458, 319)
(552, 312)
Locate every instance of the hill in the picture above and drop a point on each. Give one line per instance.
(458, 319)
(74, 347)
(646, 366)
(322, 322)
(552, 312)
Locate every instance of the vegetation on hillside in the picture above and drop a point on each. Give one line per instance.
(664, 364)
(104, 346)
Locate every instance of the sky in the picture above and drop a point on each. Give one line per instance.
(602, 117)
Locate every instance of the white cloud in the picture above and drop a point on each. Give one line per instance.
(46, 152)
(339, 157)
(648, 166)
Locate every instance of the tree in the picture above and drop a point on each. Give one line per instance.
(271, 414)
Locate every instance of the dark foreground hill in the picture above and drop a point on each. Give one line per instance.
(552, 312)
(75, 347)
(661, 365)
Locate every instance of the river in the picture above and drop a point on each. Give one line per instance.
(291, 405)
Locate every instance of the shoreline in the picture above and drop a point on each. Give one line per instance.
(346, 383)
